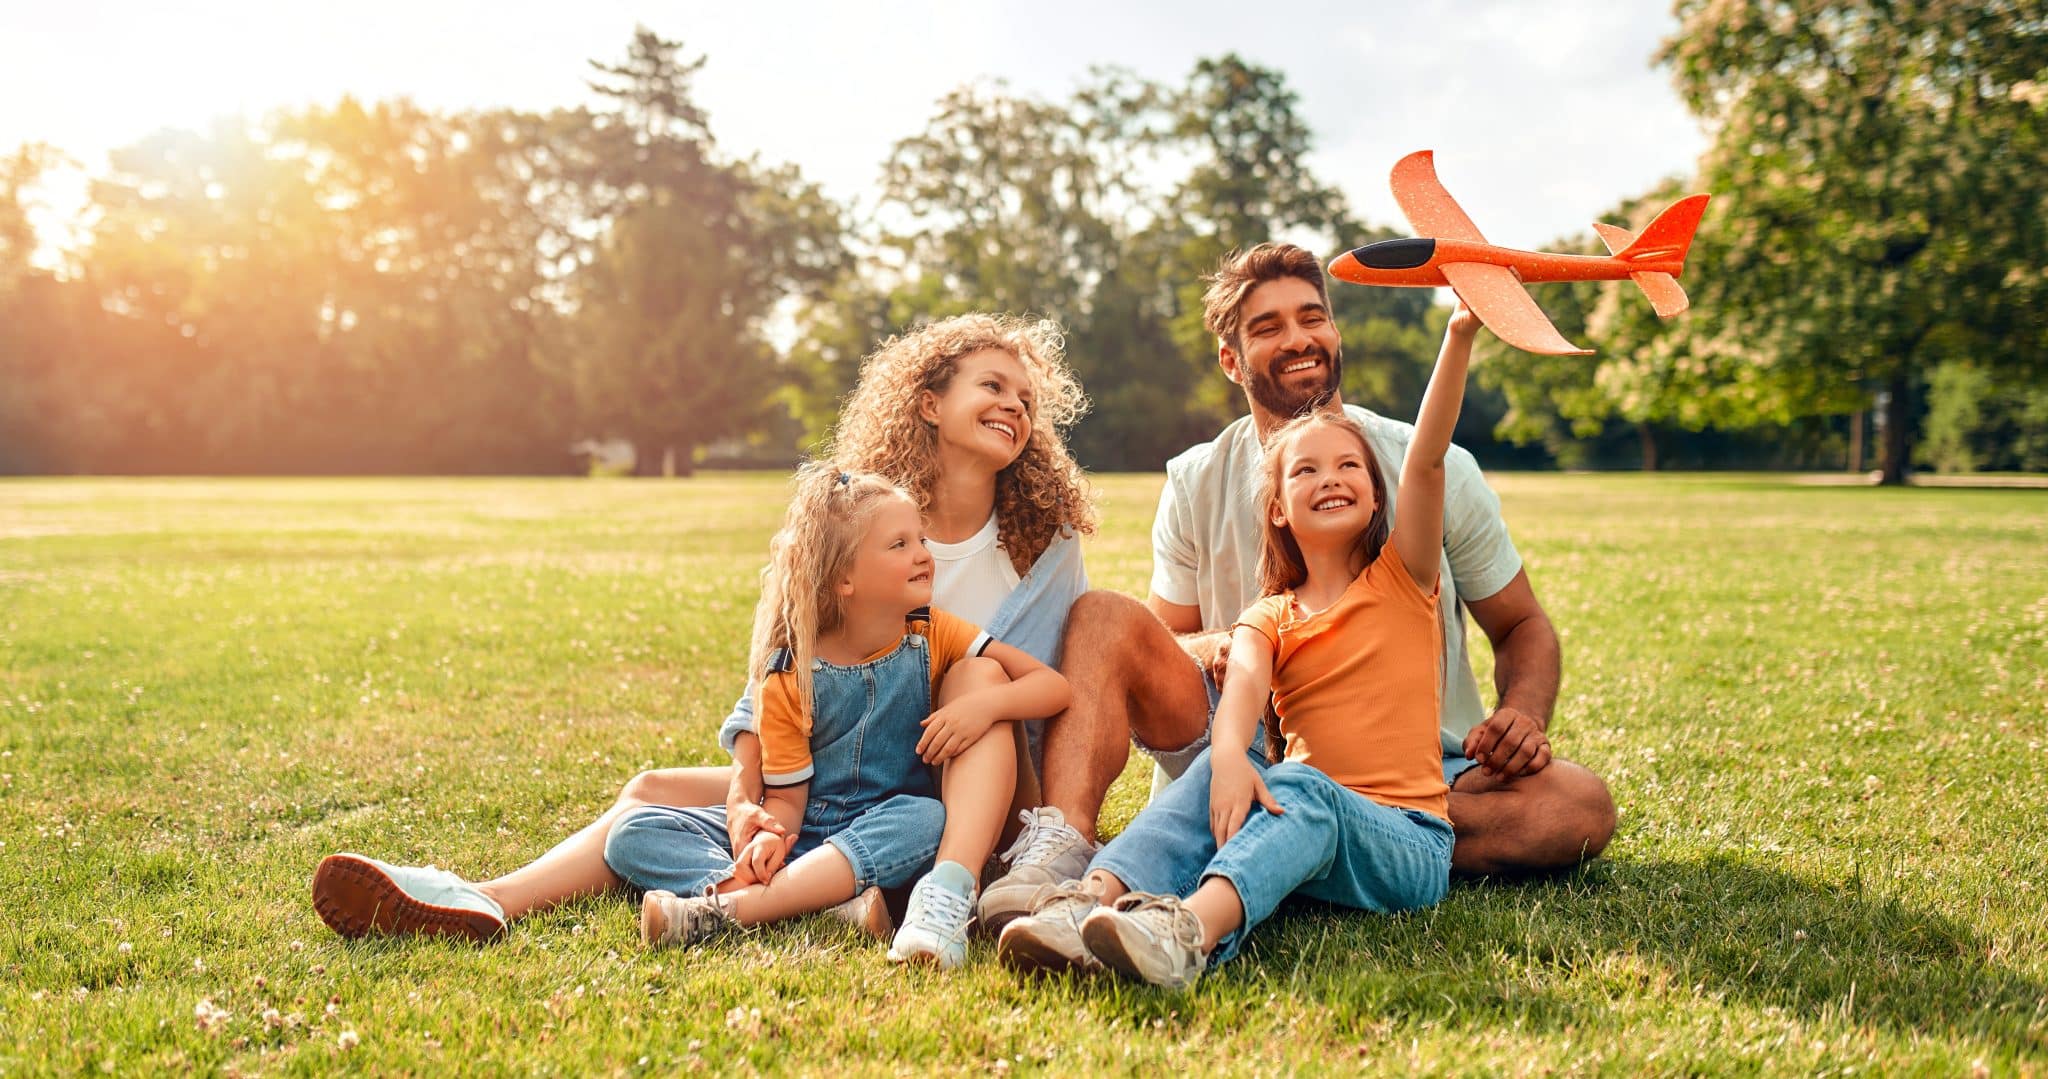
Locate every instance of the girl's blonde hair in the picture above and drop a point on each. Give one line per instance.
(1281, 566)
(880, 430)
(815, 548)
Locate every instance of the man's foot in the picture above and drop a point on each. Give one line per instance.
(1047, 851)
(1152, 938)
(935, 927)
(1048, 940)
(358, 896)
(669, 920)
(867, 912)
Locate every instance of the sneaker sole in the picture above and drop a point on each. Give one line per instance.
(1104, 939)
(357, 900)
(1026, 954)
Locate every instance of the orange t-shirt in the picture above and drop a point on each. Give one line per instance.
(785, 723)
(1358, 685)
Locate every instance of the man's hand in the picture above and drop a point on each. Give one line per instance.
(950, 730)
(1510, 744)
(1233, 786)
(744, 820)
(1211, 652)
(762, 857)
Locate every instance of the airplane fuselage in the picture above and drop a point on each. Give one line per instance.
(1419, 262)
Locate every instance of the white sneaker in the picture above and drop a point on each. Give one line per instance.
(935, 927)
(1152, 938)
(1048, 940)
(1047, 851)
(357, 896)
(670, 920)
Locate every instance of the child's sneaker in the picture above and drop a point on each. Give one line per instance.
(867, 912)
(1047, 851)
(1048, 939)
(671, 920)
(1152, 938)
(935, 927)
(357, 896)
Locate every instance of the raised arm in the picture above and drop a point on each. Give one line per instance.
(1419, 508)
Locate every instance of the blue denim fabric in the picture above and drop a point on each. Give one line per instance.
(1032, 619)
(870, 795)
(1332, 844)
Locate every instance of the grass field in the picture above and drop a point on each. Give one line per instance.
(1821, 711)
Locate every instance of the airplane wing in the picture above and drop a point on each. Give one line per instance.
(1430, 208)
(1500, 301)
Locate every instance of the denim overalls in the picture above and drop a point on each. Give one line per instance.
(870, 795)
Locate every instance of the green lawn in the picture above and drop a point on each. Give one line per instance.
(1821, 710)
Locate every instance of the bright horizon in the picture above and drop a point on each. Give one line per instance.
(1541, 118)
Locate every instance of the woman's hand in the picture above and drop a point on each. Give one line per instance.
(1233, 786)
(762, 857)
(948, 731)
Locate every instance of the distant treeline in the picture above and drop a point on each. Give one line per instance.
(381, 288)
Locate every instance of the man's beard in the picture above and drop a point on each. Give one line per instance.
(1267, 393)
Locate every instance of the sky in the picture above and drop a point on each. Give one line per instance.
(1543, 113)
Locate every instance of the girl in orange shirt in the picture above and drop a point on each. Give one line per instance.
(1347, 643)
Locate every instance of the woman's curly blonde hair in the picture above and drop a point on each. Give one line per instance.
(881, 431)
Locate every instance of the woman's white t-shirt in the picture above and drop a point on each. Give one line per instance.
(974, 575)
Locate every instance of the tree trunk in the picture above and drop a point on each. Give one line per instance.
(1856, 439)
(1897, 444)
(1648, 436)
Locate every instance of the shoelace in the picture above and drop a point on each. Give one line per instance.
(1163, 912)
(1051, 896)
(953, 908)
(1039, 841)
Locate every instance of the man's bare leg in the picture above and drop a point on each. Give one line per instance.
(575, 867)
(1553, 819)
(1130, 677)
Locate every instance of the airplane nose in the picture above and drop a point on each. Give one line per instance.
(1346, 267)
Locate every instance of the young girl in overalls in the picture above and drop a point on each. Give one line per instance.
(860, 681)
(1346, 642)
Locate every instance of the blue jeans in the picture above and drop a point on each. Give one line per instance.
(1332, 844)
(870, 796)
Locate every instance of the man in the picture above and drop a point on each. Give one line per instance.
(1148, 673)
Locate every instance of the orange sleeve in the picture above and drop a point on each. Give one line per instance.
(952, 639)
(785, 732)
(1264, 617)
(1396, 579)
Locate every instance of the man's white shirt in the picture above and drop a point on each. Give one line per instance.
(1205, 542)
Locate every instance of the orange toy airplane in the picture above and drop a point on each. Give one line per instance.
(1450, 251)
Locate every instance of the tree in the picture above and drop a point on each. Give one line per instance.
(668, 344)
(1883, 186)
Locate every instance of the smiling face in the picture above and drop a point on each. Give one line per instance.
(1287, 354)
(1326, 484)
(984, 413)
(890, 566)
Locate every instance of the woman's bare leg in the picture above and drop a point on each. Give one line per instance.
(575, 867)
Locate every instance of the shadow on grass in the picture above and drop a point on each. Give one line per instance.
(1556, 953)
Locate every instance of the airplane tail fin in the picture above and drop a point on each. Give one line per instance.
(1668, 239)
